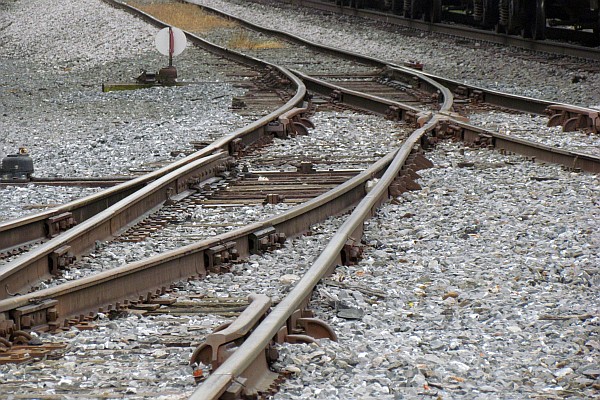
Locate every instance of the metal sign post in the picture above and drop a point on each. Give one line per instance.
(170, 42)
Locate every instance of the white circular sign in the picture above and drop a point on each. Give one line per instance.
(170, 41)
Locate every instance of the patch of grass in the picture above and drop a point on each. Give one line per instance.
(188, 17)
(242, 40)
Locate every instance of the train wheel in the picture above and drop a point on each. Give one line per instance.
(491, 13)
(515, 19)
(435, 13)
(407, 11)
(538, 25)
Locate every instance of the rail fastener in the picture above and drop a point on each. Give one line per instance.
(572, 118)
(264, 240)
(59, 223)
(216, 257)
(38, 316)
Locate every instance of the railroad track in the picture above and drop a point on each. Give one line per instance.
(460, 30)
(216, 253)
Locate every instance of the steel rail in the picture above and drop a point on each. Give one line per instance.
(563, 49)
(536, 151)
(243, 357)
(510, 101)
(34, 227)
(427, 81)
(141, 197)
(73, 181)
(138, 278)
(254, 345)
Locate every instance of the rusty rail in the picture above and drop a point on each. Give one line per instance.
(564, 49)
(570, 117)
(243, 364)
(137, 279)
(243, 360)
(108, 212)
(536, 151)
(400, 72)
(33, 228)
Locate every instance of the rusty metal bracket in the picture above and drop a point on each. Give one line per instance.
(293, 122)
(60, 259)
(59, 223)
(418, 161)
(20, 353)
(410, 117)
(407, 177)
(478, 96)
(572, 118)
(273, 198)
(336, 96)
(276, 128)
(237, 147)
(461, 91)
(36, 315)
(216, 257)
(352, 252)
(302, 323)
(394, 113)
(265, 240)
(306, 167)
(7, 325)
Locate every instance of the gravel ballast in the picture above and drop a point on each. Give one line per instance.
(505, 69)
(56, 58)
(484, 284)
(488, 282)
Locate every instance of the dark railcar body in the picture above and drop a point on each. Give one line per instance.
(529, 18)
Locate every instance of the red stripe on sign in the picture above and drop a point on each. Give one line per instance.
(171, 42)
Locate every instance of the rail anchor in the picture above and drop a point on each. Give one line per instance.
(352, 252)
